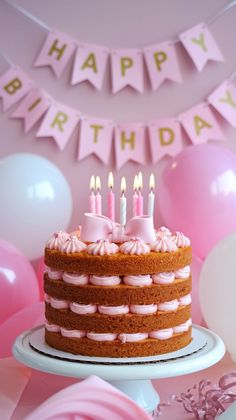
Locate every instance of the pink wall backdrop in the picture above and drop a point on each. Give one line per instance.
(117, 24)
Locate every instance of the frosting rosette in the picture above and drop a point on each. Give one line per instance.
(164, 244)
(135, 247)
(102, 247)
(72, 245)
(180, 240)
(162, 231)
(57, 239)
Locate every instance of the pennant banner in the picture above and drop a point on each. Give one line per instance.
(14, 85)
(201, 125)
(56, 52)
(130, 143)
(223, 99)
(165, 138)
(127, 69)
(59, 123)
(95, 137)
(201, 46)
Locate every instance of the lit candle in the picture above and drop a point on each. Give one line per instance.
(98, 198)
(151, 196)
(140, 197)
(135, 196)
(123, 202)
(111, 197)
(92, 206)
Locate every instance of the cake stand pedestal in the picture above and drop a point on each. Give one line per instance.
(131, 375)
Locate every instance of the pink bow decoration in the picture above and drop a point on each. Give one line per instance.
(95, 227)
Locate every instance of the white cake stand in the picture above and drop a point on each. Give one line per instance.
(131, 375)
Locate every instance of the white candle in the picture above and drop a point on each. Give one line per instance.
(123, 202)
(111, 197)
(135, 195)
(92, 206)
(151, 196)
(98, 198)
(140, 197)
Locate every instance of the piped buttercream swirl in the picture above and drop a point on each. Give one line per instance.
(138, 280)
(135, 247)
(132, 338)
(104, 280)
(102, 247)
(57, 239)
(164, 278)
(171, 305)
(72, 333)
(180, 240)
(162, 334)
(76, 279)
(72, 245)
(164, 244)
(183, 273)
(163, 231)
(101, 336)
(113, 310)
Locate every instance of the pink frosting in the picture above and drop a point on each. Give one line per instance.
(181, 328)
(183, 273)
(180, 240)
(164, 244)
(138, 280)
(54, 274)
(76, 279)
(72, 333)
(172, 305)
(101, 336)
(130, 338)
(162, 334)
(163, 278)
(81, 309)
(135, 247)
(185, 300)
(162, 231)
(57, 239)
(59, 304)
(105, 280)
(102, 247)
(52, 327)
(72, 245)
(113, 310)
(143, 309)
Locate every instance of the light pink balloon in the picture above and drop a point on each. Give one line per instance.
(197, 195)
(18, 282)
(196, 267)
(40, 268)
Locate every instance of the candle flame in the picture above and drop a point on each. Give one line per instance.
(135, 184)
(152, 182)
(92, 182)
(98, 183)
(123, 185)
(110, 180)
(140, 181)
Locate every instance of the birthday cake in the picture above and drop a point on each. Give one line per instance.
(114, 291)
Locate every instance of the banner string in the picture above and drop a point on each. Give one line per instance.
(6, 58)
(48, 28)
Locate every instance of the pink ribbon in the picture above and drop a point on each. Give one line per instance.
(96, 227)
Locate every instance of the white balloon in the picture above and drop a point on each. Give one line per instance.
(217, 291)
(35, 201)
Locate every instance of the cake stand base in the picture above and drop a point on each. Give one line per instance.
(131, 375)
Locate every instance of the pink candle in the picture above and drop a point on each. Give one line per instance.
(92, 206)
(140, 197)
(135, 196)
(98, 198)
(111, 198)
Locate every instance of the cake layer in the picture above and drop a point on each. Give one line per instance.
(118, 264)
(116, 348)
(121, 294)
(130, 323)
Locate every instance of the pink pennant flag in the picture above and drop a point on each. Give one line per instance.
(162, 63)
(14, 85)
(165, 138)
(59, 123)
(95, 137)
(130, 143)
(127, 69)
(90, 64)
(223, 99)
(201, 46)
(201, 125)
(32, 108)
(56, 52)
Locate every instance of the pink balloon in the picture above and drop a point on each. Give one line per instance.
(40, 268)
(197, 195)
(18, 282)
(23, 320)
(196, 266)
